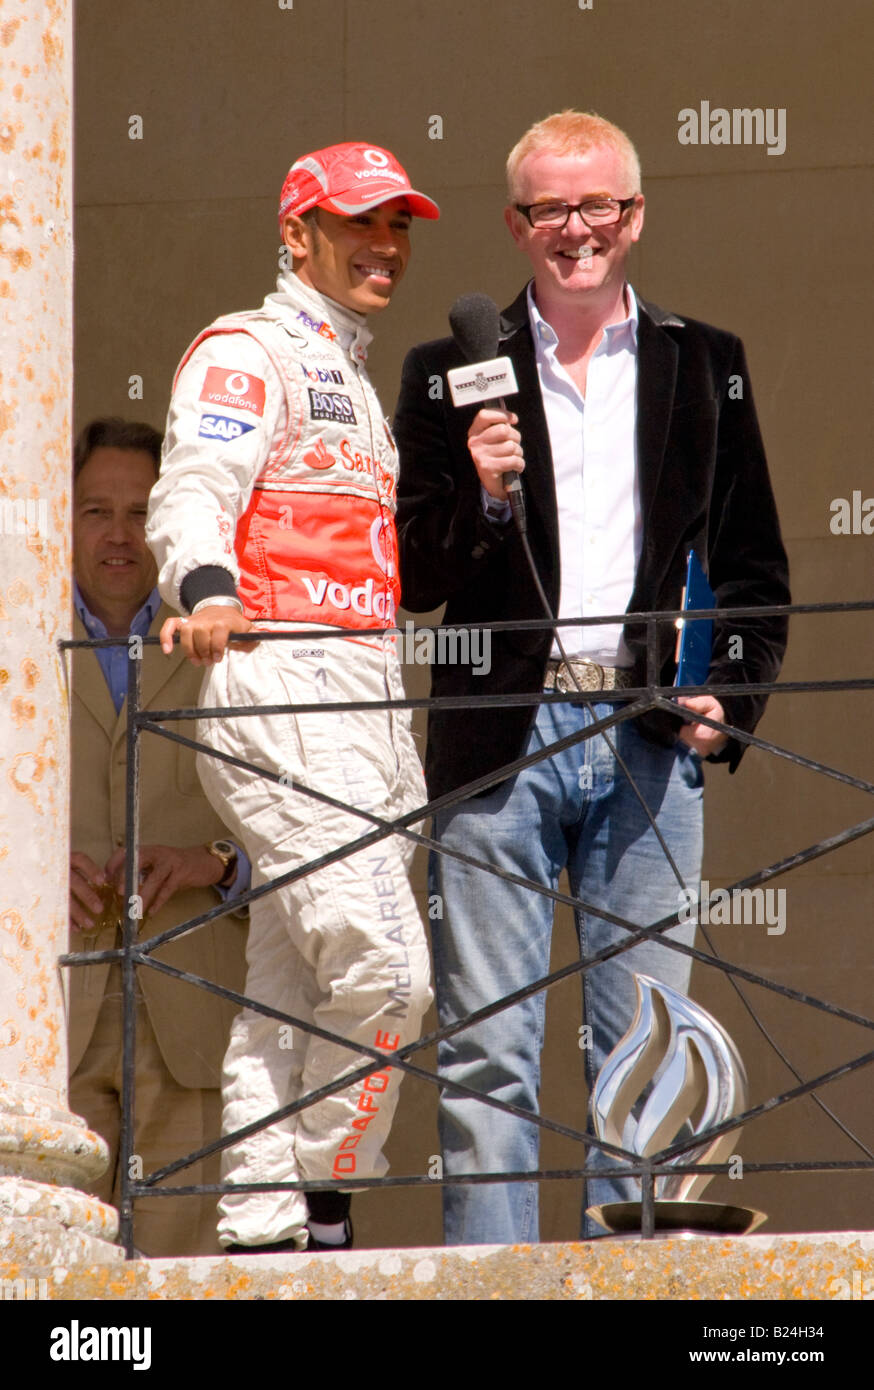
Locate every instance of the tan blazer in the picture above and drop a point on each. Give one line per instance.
(190, 1024)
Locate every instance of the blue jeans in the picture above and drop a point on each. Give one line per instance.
(574, 810)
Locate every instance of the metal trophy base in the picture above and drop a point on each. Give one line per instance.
(678, 1219)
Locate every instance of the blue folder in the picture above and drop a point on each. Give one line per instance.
(696, 638)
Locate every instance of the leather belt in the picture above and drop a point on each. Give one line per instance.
(587, 675)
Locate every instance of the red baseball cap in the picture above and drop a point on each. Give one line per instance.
(347, 179)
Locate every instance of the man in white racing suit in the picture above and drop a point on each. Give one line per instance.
(275, 506)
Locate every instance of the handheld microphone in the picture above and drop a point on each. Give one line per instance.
(475, 324)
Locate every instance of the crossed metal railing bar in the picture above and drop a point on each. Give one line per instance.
(635, 701)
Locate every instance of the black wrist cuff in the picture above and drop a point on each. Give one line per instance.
(207, 581)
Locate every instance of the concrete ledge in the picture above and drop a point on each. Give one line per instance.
(826, 1266)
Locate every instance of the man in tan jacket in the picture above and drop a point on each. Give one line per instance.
(181, 1031)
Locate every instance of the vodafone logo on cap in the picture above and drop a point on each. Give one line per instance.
(228, 386)
(376, 157)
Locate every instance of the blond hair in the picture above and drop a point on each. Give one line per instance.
(574, 132)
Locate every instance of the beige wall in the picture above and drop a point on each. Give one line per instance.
(180, 225)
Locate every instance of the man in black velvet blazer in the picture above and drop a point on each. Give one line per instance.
(636, 436)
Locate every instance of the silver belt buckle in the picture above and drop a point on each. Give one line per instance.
(599, 668)
(565, 686)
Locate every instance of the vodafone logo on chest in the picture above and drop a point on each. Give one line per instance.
(364, 598)
(240, 390)
(370, 598)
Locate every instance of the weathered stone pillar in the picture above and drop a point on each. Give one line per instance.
(45, 1152)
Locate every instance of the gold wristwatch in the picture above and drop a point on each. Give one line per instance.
(227, 853)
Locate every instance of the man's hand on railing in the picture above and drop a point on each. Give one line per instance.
(701, 737)
(204, 637)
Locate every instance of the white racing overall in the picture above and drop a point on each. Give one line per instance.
(280, 468)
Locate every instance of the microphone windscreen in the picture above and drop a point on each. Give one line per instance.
(475, 324)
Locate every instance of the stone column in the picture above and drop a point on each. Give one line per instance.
(46, 1153)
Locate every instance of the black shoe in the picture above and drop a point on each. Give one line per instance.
(345, 1244)
(279, 1247)
(329, 1208)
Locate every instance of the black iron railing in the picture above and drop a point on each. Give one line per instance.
(136, 952)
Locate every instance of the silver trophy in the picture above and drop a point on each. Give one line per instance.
(697, 1082)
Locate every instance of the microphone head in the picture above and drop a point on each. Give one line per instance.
(475, 323)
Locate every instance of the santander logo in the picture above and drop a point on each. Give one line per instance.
(319, 457)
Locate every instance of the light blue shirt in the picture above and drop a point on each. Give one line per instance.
(114, 660)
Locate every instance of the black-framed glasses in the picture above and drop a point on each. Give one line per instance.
(595, 212)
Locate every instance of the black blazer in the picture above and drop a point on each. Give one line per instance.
(703, 484)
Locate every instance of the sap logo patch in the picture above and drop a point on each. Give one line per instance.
(331, 405)
(222, 427)
(239, 390)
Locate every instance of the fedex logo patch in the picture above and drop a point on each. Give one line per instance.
(222, 427)
(240, 390)
(323, 328)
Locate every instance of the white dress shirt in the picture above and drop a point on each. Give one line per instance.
(596, 482)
